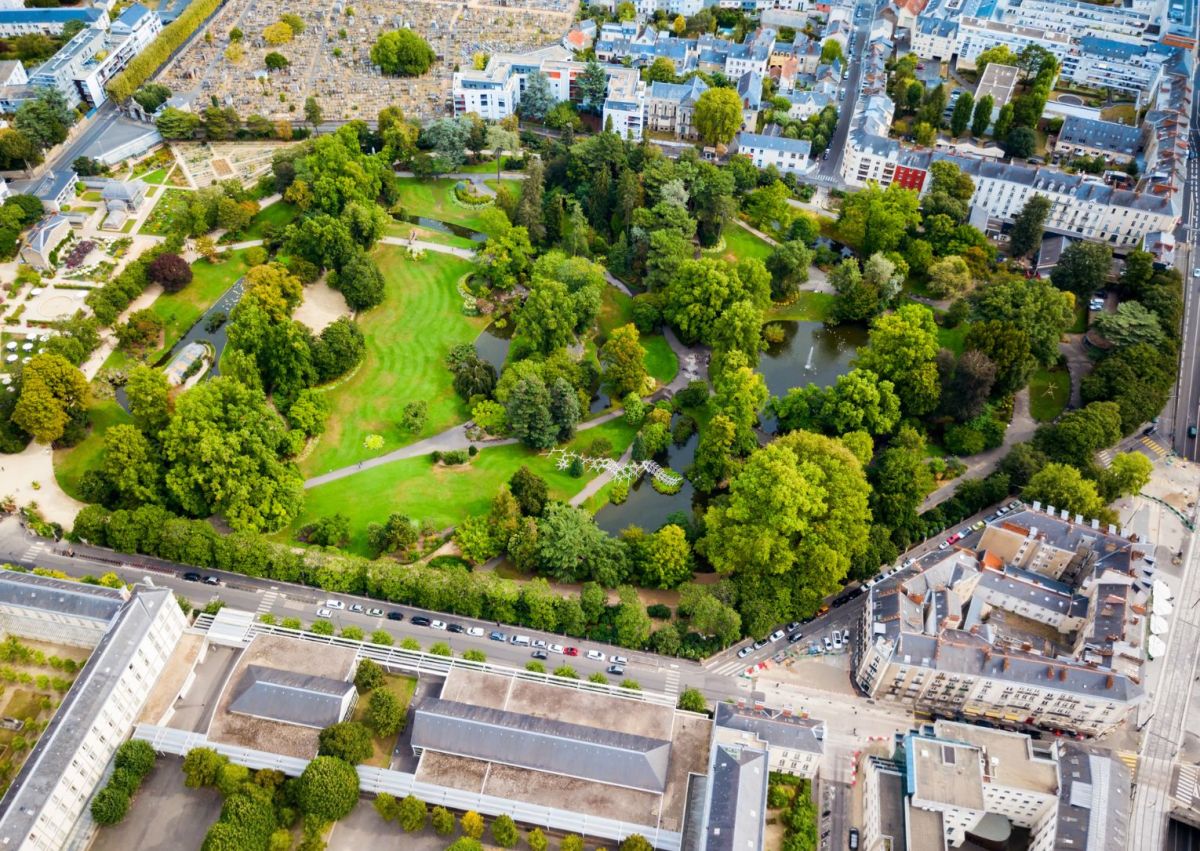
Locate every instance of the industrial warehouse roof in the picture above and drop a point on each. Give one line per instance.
(41, 593)
(541, 744)
(290, 697)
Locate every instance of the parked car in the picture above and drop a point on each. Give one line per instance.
(539, 654)
(943, 545)
(794, 637)
(192, 576)
(1196, 272)
(395, 616)
(475, 630)
(837, 640)
(745, 651)
(760, 644)
(556, 648)
(846, 637)
(618, 660)
(375, 613)
(828, 643)
(1191, 431)
(977, 525)
(323, 612)
(596, 656)
(496, 635)
(615, 670)
(854, 839)
(455, 627)
(212, 580)
(571, 651)
(420, 620)
(793, 626)
(331, 604)
(357, 608)
(1014, 505)
(437, 625)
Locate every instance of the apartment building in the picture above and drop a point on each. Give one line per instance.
(15, 22)
(1040, 625)
(1090, 137)
(495, 92)
(948, 782)
(94, 56)
(787, 155)
(670, 107)
(45, 808)
(794, 745)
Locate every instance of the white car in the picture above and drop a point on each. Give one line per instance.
(323, 612)
(837, 641)
(596, 656)
(1196, 272)
(555, 648)
(619, 660)
(539, 643)
(437, 625)
(334, 604)
(475, 631)
(777, 634)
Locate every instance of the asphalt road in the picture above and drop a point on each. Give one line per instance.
(1184, 409)
(830, 170)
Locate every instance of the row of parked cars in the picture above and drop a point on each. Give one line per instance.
(979, 524)
(541, 648)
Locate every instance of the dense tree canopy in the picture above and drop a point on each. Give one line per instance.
(402, 53)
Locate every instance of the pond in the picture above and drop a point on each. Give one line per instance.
(441, 227)
(492, 344)
(200, 333)
(645, 506)
(810, 353)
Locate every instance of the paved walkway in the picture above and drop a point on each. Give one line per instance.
(1019, 430)
(1075, 350)
(437, 247)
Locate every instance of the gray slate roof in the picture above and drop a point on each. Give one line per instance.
(1093, 804)
(774, 728)
(41, 593)
(736, 799)
(290, 697)
(541, 744)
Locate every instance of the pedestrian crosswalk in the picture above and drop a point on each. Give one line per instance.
(1186, 783)
(672, 684)
(729, 668)
(267, 602)
(1129, 758)
(1154, 446)
(33, 551)
(1105, 457)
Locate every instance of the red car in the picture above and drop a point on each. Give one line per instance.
(571, 651)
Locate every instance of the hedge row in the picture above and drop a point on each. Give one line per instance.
(107, 302)
(122, 86)
(134, 760)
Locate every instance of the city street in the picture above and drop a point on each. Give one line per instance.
(830, 171)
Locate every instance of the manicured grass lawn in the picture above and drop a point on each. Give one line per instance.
(955, 338)
(1049, 392)
(485, 167)
(156, 176)
(171, 204)
(278, 214)
(445, 495)
(807, 307)
(1080, 325)
(408, 337)
(740, 244)
(616, 310)
(434, 199)
(402, 688)
(71, 464)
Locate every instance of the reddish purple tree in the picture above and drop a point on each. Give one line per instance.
(170, 270)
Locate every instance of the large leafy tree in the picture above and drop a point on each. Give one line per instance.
(537, 98)
(568, 544)
(1083, 267)
(1080, 434)
(132, 466)
(593, 86)
(529, 415)
(875, 219)
(402, 53)
(222, 449)
(718, 115)
(795, 518)
(702, 292)
(902, 349)
(347, 740)
(53, 391)
(328, 789)
(45, 119)
(1028, 225)
(900, 479)
(1063, 486)
(857, 401)
(1138, 378)
(1130, 325)
(622, 360)
(1035, 306)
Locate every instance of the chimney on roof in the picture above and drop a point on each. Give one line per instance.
(1026, 646)
(1049, 672)
(1062, 675)
(787, 713)
(1109, 681)
(741, 704)
(759, 706)
(1005, 664)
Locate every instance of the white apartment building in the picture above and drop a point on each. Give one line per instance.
(15, 22)
(94, 56)
(46, 807)
(495, 92)
(787, 155)
(794, 745)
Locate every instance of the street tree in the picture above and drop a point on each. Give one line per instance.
(327, 789)
(1028, 226)
(718, 115)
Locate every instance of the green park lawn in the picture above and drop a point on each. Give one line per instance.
(404, 230)
(1049, 392)
(71, 464)
(808, 306)
(955, 338)
(179, 311)
(278, 214)
(616, 310)
(740, 244)
(445, 495)
(434, 199)
(157, 176)
(408, 337)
